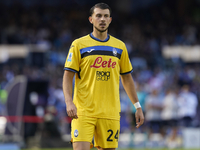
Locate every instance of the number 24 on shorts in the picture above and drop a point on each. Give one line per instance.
(110, 137)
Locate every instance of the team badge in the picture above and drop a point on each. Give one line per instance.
(70, 57)
(114, 52)
(76, 133)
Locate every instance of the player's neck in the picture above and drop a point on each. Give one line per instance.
(100, 35)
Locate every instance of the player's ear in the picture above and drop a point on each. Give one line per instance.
(110, 19)
(90, 19)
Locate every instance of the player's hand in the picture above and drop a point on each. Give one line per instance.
(139, 117)
(72, 110)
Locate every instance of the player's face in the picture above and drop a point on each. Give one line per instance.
(100, 19)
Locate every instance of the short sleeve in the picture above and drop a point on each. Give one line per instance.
(73, 58)
(125, 63)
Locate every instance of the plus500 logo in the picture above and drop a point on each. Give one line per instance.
(100, 63)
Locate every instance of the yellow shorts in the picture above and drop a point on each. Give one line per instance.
(104, 131)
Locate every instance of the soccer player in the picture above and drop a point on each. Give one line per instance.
(98, 60)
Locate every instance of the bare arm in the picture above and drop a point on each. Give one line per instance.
(129, 87)
(67, 90)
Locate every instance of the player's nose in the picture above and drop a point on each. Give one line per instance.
(102, 18)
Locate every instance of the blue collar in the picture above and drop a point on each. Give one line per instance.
(108, 37)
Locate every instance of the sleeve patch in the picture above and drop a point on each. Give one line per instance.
(69, 59)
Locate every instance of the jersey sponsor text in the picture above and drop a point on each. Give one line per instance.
(100, 63)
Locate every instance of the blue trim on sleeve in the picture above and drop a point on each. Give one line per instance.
(70, 69)
(127, 72)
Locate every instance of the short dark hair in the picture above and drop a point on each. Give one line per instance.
(101, 6)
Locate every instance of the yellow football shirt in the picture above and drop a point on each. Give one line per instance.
(98, 65)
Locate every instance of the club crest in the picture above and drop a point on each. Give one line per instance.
(76, 133)
(114, 52)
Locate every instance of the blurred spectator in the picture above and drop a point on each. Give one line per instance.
(169, 113)
(174, 140)
(50, 123)
(153, 107)
(187, 106)
(169, 116)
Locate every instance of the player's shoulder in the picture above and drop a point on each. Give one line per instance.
(116, 40)
(81, 39)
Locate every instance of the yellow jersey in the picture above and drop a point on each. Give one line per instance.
(98, 65)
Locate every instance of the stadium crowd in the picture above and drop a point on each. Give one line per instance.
(159, 81)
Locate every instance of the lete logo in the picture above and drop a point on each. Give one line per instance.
(100, 63)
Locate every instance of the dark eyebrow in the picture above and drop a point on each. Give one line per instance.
(102, 14)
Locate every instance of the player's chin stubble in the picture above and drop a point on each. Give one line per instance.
(101, 30)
